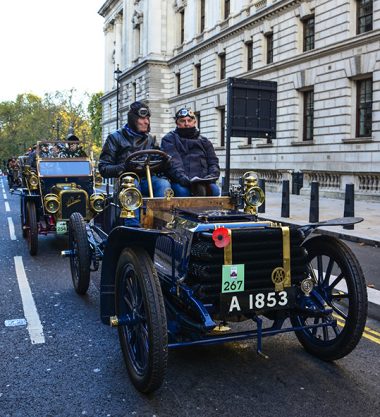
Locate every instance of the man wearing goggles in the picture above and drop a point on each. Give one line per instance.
(194, 166)
(133, 137)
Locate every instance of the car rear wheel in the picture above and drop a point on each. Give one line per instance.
(80, 259)
(32, 228)
(139, 300)
(340, 283)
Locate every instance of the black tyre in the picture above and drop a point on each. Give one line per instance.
(80, 260)
(144, 342)
(340, 283)
(32, 228)
(23, 225)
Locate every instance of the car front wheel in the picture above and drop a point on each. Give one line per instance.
(139, 301)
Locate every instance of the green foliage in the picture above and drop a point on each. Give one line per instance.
(30, 118)
(95, 114)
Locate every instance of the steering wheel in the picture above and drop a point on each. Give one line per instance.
(154, 158)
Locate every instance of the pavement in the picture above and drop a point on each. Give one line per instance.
(368, 231)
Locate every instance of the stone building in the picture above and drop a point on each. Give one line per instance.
(324, 56)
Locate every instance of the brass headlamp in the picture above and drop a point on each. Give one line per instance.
(97, 202)
(98, 179)
(130, 197)
(253, 194)
(51, 203)
(31, 178)
(32, 181)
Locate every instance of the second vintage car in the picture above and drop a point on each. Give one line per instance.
(59, 181)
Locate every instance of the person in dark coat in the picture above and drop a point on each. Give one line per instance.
(74, 149)
(134, 136)
(194, 164)
(32, 157)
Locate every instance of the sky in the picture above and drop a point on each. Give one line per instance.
(50, 45)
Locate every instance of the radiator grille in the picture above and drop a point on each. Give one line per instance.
(73, 201)
(259, 250)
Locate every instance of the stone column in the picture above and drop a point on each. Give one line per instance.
(108, 51)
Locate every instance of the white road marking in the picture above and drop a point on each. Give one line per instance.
(5, 196)
(11, 228)
(34, 326)
(373, 296)
(7, 208)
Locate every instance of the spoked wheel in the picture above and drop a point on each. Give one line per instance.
(341, 284)
(80, 259)
(139, 299)
(32, 228)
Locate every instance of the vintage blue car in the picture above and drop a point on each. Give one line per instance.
(57, 181)
(198, 265)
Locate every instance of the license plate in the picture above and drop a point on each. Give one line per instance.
(252, 301)
(61, 227)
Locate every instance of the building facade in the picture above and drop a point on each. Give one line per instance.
(324, 56)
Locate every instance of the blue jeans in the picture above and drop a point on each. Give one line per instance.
(180, 191)
(159, 185)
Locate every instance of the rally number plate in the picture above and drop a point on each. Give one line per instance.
(252, 301)
(61, 227)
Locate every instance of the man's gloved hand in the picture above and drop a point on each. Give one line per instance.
(128, 166)
(209, 176)
(168, 162)
(184, 181)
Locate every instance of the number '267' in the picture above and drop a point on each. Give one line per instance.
(232, 286)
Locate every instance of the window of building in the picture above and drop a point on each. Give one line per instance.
(202, 15)
(364, 108)
(222, 66)
(249, 55)
(178, 82)
(365, 15)
(222, 125)
(249, 141)
(227, 9)
(269, 47)
(308, 115)
(308, 33)
(182, 26)
(133, 91)
(197, 77)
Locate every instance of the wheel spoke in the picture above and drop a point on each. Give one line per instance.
(128, 303)
(328, 270)
(314, 330)
(338, 311)
(336, 281)
(320, 269)
(336, 330)
(142, 345)
(325, 331)
(130, 290)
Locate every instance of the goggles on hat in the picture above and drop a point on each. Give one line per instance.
(185, 113)
(143, 112)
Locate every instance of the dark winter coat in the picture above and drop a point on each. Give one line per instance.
(190, 157)
(118, 146)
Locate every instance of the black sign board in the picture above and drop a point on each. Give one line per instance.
(251, 107)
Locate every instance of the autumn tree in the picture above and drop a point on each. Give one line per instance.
(30, 118)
